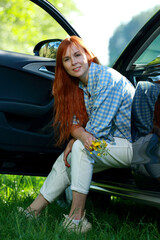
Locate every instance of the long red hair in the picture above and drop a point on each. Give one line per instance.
(69, 99)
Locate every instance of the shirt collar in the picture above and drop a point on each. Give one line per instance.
(92, 82)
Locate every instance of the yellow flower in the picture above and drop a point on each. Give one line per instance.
(90, 152)
(96, 144)
(100, 147)
(105, 144)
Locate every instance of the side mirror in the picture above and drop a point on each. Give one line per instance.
(47, 48)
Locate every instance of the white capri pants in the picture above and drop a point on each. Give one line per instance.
(83, 164)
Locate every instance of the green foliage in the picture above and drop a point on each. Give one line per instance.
(65, 7)
(125, 32)
(24, 24)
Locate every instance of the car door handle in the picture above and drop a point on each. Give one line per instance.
(45, 70)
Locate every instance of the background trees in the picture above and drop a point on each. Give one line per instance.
(23, 23)
(125, 32)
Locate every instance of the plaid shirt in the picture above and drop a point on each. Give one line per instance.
(143, 107)
(108, 99)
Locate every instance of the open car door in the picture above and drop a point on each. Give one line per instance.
(26, 106)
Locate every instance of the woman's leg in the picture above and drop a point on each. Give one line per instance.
(82, 162)
(56, 182)
(59, 179)
(38, 205)
(81, 175)
(118, 155)
(78, 205)
(83, 165)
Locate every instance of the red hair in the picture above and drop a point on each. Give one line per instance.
(69, 99)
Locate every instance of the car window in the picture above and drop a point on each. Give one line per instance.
(151, 52)
(23, 27)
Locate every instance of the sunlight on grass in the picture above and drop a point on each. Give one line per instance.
(117, 220)
(19, 186)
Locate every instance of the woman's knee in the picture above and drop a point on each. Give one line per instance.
(77, 146)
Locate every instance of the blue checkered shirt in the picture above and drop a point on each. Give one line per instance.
(108, 98)
(143, 106)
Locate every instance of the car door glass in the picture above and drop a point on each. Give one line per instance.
(23, 27)
(151, 52)
(146, 116)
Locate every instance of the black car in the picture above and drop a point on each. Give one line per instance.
(26, 109)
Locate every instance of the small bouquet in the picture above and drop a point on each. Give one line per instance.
(100, 147)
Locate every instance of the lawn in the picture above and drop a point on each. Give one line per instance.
(117, 220)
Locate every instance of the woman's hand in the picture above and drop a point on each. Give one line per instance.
(67, 150)
(87, 139)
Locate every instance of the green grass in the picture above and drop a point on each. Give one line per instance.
(119, 220)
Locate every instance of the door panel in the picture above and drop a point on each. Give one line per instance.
(26, 103)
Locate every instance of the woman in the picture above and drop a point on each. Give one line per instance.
(91, 102)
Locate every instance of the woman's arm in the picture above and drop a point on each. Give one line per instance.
(85, 137)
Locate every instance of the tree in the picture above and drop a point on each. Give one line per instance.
(23, 23)
(125, 32)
